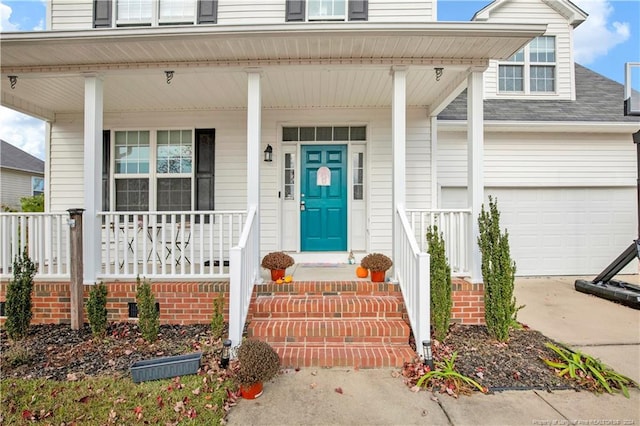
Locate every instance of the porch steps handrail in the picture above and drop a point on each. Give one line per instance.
(46, 237)
(244, 273)
(453, 223)
(413, 275)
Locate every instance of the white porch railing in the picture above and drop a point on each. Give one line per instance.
(413, 274)
(244, 274)
(454, 225)
(169, 244)
(46, 237)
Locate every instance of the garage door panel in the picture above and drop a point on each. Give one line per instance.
(567, 231)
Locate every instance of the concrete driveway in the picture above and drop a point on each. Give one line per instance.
(595, 326)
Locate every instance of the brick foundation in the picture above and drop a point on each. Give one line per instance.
(180, 303)
(192, 302)
(468, 302)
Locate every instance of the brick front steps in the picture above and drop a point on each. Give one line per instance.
(332, 324)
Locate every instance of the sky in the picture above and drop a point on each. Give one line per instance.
(604, 43)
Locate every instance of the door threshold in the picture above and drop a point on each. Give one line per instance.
(326, 256)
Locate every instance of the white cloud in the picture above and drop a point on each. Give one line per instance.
(5, 16)
(23, 131)
(596, 36)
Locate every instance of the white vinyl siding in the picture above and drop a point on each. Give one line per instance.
(66, 163)
(533, 12)
(78, 14)
(401, 11)
(541, 159)
(71, 14)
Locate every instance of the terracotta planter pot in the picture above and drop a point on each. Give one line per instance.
(378, 276)
(277, 274)
(252, 391)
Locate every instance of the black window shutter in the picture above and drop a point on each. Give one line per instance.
(295, 10)
(106, 163)
(207, 11)
(101, 13)
(205, 168)
(358, 10)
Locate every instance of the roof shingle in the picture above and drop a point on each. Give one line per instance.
(598, 99)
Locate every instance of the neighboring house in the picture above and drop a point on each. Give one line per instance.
(228, 129)
(21, 175)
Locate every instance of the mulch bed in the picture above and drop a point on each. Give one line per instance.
(59, 353)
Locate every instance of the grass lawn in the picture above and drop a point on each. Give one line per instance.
(197, 399)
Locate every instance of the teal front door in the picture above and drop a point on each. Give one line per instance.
(323, 198)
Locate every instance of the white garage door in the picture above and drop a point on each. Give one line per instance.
(566, 231)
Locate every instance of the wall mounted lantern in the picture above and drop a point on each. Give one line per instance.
(268, 154)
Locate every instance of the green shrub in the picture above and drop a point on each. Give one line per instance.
(97, 309)
(18, 303)
(32, 204)
(148, 315)
(498, 272)
(217, 321)
(441, 301)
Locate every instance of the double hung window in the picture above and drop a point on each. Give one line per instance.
(154, 170)
(530, 70)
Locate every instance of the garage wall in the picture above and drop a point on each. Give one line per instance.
(568, 201)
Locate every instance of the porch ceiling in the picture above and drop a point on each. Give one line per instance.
(328, 66)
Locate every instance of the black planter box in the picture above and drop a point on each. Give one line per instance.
(162, 368)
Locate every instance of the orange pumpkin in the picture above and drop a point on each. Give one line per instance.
(362, 272)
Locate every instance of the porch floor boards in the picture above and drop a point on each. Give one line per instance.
(356, 324)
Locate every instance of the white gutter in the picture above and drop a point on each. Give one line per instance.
(441, 29)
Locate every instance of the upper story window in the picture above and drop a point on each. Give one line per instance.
(532, 69)
(129, 13)
(326, 10)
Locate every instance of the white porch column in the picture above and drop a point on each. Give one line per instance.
(254, 140)
(398, 139)
(93, 109)
(475, 159)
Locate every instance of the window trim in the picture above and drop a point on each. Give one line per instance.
(153, 174)
(526, 65)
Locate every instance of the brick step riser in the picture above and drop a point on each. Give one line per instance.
(336, 341)
(355, 357)
(331, 328)
(381, 316)
(324, 305)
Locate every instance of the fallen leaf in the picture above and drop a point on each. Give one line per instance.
(27, 415)
(395, 374)
(178, 407)
(84, 399)
(196, 391)
(314, 373)
(72, 377)
(338, 390)
(415, 389)
(516, 375)
(313, 385)
(434, 398)
(480, 374)
(159, 401)
(128, 352)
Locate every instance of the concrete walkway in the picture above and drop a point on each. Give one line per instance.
(379, 397)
